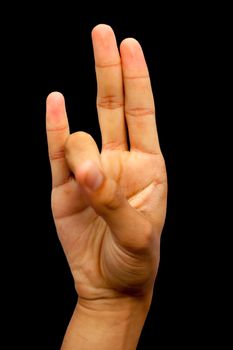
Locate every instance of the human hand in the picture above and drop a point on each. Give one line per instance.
(109, 207)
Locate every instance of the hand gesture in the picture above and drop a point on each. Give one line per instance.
(109, 206)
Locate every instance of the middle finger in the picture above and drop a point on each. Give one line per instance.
(110, 97)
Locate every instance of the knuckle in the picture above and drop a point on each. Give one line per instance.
(113, 145)
(109, 102)
(148, 235)
(144, 238)
(139, 111)
(59, 154)
(110, 198)
(113, 199)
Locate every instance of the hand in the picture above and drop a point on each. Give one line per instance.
(109, 207)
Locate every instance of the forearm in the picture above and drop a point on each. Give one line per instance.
(114, 325)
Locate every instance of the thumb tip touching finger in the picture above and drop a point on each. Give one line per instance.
(106, 197)
(90, 176)
(102, 192)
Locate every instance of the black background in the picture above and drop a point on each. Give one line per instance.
(47, 51)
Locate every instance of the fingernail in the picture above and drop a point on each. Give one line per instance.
(94, 178)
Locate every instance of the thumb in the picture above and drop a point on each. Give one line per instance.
(104, 194)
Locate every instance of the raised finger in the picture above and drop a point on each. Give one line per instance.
(110, 98)
(57, 128)
(139, 101)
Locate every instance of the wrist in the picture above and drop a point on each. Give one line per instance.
(107, 323)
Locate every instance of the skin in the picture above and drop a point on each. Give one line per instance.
(109, 207)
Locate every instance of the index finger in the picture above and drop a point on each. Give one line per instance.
(139, 101)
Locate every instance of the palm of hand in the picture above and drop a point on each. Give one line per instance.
(86, 238)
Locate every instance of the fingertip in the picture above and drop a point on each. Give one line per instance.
(54, 102)
(105, 45)
(133, 59)
(130, 41)
(90, 176)
(101, 30)
(130, 47)
(55, 97)
(55, 110)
